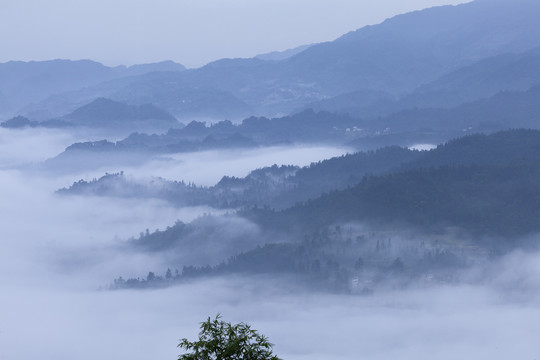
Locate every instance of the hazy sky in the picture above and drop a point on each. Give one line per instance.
(192, 32)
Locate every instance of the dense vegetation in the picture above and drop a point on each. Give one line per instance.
(224, 341)
(276, 187)
(487, 184)
(493, 200)
(423, 219)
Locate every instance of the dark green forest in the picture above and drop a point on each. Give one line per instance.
(426, 215)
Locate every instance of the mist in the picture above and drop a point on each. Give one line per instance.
(64, 242)
(58, 252)
(440, 323)
(208, 167)
(424, 245)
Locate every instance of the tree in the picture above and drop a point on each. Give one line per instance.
(219, 340)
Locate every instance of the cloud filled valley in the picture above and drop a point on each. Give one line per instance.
(59, 250)
(376, 196)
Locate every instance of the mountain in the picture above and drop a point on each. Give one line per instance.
(508, 109)
(505, 110)
(185, 102)
(408, 50)
(164, 89)
(275, 187)
(306, 127)
(482, 79)
(394, 57)
(109, 114)
(140, 69)
(24, 83)
(423, 222)
(360, 103)
(20, 122)
(284, 186)
(487, 185)
(27, 82)
(282, 55)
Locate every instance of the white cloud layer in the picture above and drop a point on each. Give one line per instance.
(55, 252)
(442, 323)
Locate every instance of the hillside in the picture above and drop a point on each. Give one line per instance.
(25, 83)
(109, 114)
(275, 187)
(395, 56)
(509, 109)
(422, 221)
(485, 184)
(482, 79)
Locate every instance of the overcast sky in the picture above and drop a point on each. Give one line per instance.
(192, 32)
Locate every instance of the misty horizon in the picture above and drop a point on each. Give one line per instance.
(351, 179)
(243, 45)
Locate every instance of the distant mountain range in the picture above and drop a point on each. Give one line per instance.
(24, 83)
(111, 114)
(306, 127)
(508, 109)
(482, 79)
(282, 55)
(396, 56)
(438, 57)
(505, 110)
(107, 115)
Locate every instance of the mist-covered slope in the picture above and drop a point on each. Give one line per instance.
(302, 128)
(485, 184)
(275, 186)
(423, 222)
(482, 183)
(509, 109)
(109, 114)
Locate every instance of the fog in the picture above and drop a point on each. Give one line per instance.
(56, 252)
(40, 226)
(440, 323)
(208, 167)
(19, 147)
(422, 147)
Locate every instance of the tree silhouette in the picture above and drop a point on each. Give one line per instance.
(220, 340)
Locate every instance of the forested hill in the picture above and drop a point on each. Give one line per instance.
(391, 227)
(486, 184)
(508, 109)
(303, 128)
(282, 187)
(275, 186)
